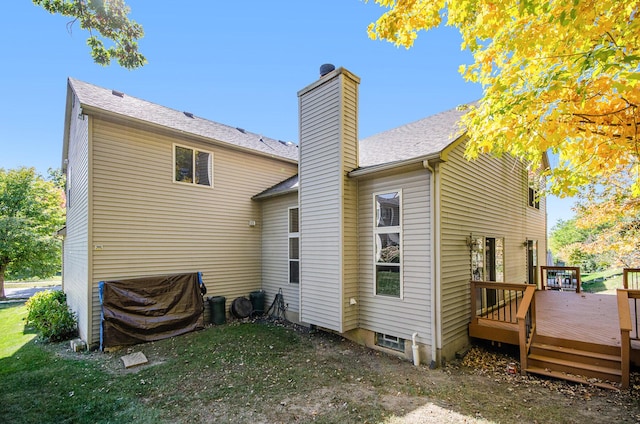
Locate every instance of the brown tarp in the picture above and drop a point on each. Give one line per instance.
(151, 308)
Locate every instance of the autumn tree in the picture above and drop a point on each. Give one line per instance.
(31, 211)
(567, 242)
(559, 76)
(105, 20)
(615, 213)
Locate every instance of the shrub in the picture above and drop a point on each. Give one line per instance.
(50, 315)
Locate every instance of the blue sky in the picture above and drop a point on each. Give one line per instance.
(238, 63)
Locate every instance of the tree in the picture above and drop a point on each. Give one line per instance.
(559, 76)
(31, 211)
(568, 242)
(615, 212)
(109, 18)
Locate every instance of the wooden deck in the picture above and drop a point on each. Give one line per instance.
(583, 317)
(562, 334)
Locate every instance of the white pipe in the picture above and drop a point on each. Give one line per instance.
(415, 348)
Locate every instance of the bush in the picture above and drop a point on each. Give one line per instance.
(49, 314)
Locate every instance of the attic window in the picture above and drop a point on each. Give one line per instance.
(117, 93)
(188, 114)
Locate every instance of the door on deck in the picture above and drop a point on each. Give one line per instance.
(532, 261)
(487, 264)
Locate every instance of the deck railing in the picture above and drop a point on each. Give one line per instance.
(560, 278)
(631, 278)
(500, 311)
(526, 325)
(496, 301)
(627, 300)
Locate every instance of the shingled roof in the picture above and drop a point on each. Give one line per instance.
(425, 137)
(94, 98)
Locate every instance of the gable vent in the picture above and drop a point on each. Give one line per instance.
(117, 93)
(242, 130)
(188, 114)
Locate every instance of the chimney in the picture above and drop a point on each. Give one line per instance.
(328, 200)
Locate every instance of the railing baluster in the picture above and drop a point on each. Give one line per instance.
(635, 307)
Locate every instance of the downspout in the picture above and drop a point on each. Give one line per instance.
(432, 238)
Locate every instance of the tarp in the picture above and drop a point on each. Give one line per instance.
(150, 308)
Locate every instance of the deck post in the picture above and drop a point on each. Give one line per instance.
(527, 307)
(624, 315)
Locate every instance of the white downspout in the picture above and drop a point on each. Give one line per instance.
(432, 238)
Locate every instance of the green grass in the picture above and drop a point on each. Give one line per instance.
(244, 372)
(36, 385)
(602, 281)
(219, 374)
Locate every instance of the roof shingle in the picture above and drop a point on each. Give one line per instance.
(131, 107)
(427, 136)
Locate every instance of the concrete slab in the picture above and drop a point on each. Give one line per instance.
(134, 359)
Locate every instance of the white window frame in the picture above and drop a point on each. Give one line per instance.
(385, 230)
(292, 235)
(193, 164)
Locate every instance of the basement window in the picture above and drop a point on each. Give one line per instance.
(192, 166)
(390, 342)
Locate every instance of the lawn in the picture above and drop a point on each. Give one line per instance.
(259, 372)
(604, 281)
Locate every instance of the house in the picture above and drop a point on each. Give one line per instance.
(376, 239)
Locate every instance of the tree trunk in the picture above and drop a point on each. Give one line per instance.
(3, 268)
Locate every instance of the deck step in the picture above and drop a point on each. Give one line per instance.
(569, 377)
(579, 355)
(573, 367)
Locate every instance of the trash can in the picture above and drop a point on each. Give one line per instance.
(218, 310)
(206, 310)
(257, 301)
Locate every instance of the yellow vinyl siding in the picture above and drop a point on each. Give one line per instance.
(76, 248)
(393, 316)
(485, 197)
(275, 250)
(328, 238)
(350, 205)
(146, 224)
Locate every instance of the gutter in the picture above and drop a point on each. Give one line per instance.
(421, 160)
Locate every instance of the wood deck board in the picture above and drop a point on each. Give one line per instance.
(585, 317)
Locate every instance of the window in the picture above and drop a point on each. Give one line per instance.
(294, 246)
(532, 261)
(534, 200)
(391, 342)
(192, 166)
(487, 258)
(387, 235)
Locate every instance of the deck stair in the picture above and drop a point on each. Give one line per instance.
(575, 361)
